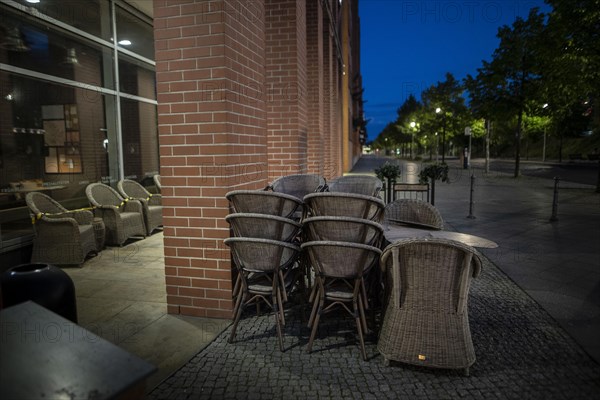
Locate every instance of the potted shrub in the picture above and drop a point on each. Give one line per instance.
(388, 173)
(434, 172)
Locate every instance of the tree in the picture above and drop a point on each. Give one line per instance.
(506, 85)
(453, 116)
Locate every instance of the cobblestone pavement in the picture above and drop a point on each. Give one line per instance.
(522, 353)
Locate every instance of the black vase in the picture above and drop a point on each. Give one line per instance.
(43, 284)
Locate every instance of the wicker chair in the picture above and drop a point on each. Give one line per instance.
(264, 202)
(151, 203)
(123, 218)
(156, 179)
(345, 205)
(339, 268)
(259, 262)
(426, 321)
(360, 184)
(298, 185)
(61, 236)
(415, 212)
(263, 226)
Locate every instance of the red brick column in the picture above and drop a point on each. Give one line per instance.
(328, 91)
(315, 64)
(212, 133)
(287, 102)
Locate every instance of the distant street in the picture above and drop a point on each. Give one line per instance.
(577, 172)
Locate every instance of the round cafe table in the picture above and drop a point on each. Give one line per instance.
(393, 233)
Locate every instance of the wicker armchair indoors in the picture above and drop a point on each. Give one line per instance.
(61, 236)
(157, 182)
(122, 218)
(426, 320)
(414, 211)
(151, 203)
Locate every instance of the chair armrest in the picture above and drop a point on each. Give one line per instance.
(56, 221)
(83, 217)
(133, 206)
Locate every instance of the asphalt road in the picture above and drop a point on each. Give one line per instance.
(577, 172)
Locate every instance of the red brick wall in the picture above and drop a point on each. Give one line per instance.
(328, 65)
(210, 61)
(287, 103)
(315, 72)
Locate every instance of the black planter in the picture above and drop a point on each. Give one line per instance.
(43, 284)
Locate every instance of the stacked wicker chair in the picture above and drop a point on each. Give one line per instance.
(414, 212)
(298, 185)
(265, 251)
(426, 321)
(123, 218)
(151, 203)
(157, 182)
(61, 236)
(342, 239)
(360, 184)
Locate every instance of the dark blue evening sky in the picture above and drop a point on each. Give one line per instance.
(407, 46)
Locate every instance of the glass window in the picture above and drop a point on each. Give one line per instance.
(136, 77)
(91, 16)
(42, 48)
(140, 140)
(134, 34)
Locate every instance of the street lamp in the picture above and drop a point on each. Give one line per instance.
(438, 111)
(544, 145)
(413, 125)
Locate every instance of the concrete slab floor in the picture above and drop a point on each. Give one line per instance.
(121, 297)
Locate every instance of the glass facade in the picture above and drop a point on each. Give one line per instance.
(76, 106)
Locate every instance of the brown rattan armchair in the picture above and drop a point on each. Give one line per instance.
(61, 236)
(339, 268)
(298, 185)
(259, 262)
(426, 320)
(414, 212)
(360, 184)
(151, 203)
(264, 202)
(345, 205)
(123, 218)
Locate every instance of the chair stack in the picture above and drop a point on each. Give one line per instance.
(265, 250)
(342, 239)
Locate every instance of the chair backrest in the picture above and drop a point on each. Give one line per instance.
(100, 194)
(414, 211)
(341, 259)
(263, 202)
(343, 229)
(360, 184)
(157, 182)
(262, 255)
(132, 189)
(40, 203)
(298, 185)
(263, 226)
(430, 274)
(345, 205)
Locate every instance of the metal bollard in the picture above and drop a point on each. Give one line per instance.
(471, 216)
(554, 216)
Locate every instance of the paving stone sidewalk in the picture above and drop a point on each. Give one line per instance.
(522, 353)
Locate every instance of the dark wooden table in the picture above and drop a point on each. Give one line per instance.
(44, 356)
(393, 233)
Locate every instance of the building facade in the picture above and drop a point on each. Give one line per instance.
(229, 95)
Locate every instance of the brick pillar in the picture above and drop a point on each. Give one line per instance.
(287, 102)
(315, 64)
(328, 62)
(210, 61)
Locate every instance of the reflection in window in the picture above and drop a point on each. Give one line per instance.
(134, 34)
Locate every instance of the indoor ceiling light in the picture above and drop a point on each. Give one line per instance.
(125, 42)
(13, 41)
(71, 57)
(33, 1)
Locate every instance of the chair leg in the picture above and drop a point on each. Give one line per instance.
(238, 312)
(363, 318)
(359, 329)
(280, 303)
(315, 326)
(277, 315)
